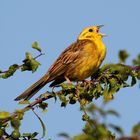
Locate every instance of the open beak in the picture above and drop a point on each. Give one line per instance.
(100, 26)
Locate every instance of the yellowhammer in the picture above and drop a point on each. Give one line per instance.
(76, 63)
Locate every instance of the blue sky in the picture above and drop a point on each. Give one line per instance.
(55, 25)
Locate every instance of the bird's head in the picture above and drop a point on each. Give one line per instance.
(91, 33)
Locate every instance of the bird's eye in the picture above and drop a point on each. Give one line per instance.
(90, 30)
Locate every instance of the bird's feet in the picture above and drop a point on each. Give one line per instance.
(87, 82)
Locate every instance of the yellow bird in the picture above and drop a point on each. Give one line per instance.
(76, 63)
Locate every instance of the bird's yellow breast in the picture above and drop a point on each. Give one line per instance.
(90, 59)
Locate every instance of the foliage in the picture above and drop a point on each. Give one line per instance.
(96, 128)
(123, 55)
(29, 63)
(107, 81)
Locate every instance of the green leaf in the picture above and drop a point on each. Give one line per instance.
(43, 106)
(113, 112)
(28, 56)
(26, 134)
(15, 123)
(12, 69)
(106, 67)
(24, 102)
(137, 60)
(67, 86)
(62, 98)
(15, 134)
(117, 128)
(114, 85)
(64, 135)
(34, 65)
(107, 94)
(85, 117)
(64, 103)
(73, 100)
(114, 89)
(36, 46)
(136, 130)
(83, 137)
(30, 63)
(125, 85)
(1, 132)
(30, 135)
(34, 135)
(4, 115)
(20, 113)
(133, 82)
(138, 75)
(99, 87)
(102, 130)
(123, 55)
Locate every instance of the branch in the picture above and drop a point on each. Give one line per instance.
(101, 86)
(30, 106)
(133, 68)
(20, 66)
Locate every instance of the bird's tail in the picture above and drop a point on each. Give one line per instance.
(32, 90)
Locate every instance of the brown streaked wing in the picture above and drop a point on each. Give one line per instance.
(68, 56)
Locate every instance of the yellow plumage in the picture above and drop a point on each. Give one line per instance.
(76, 63)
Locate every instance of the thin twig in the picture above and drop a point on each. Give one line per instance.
(22, 64)
(134, 68)
(47, 95)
